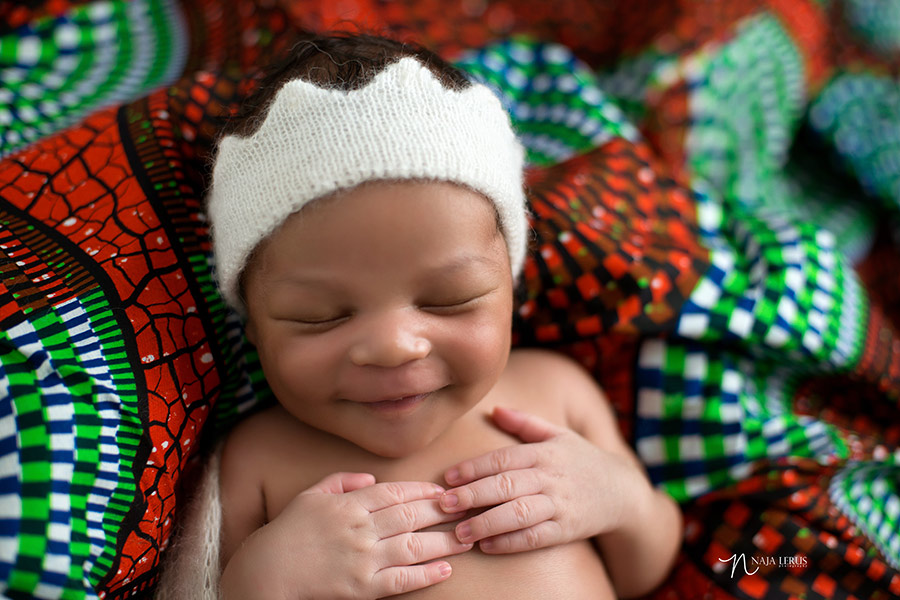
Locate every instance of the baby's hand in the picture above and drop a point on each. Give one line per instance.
(348, 537)
(556, 488)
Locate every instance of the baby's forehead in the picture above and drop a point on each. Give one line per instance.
(382, 213)
(336, 205)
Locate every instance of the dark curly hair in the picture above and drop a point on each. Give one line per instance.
(344, 61)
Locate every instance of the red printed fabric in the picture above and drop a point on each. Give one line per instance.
(711, 187)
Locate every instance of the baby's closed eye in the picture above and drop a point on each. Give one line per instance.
(454, 302)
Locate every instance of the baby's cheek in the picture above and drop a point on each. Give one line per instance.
(488, 345)
(291, 364)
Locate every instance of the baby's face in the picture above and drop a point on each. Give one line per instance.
(383, 314)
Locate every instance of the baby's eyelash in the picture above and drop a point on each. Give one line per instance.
(320, 324)
(450, 305)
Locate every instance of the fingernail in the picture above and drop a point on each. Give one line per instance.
(452, 475)
(463, 532)
(487, 544)
(449, 500)
(445, 570)
(438, 490)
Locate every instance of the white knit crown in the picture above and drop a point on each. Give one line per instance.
(404, 124)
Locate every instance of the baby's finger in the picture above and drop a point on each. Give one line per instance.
(410, 516)
(520, 513)
(497, 461)
(492, 490)
(399, 580)
(412, 548)
(339, 483)
(527, 427)
(382, 495)
(546, 533)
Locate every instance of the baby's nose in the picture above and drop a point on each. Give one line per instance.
(390, 341)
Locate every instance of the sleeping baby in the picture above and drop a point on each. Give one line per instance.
(369, 223)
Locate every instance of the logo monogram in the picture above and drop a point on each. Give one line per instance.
(766, 561)
(734, 560)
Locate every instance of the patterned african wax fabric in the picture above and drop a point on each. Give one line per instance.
(714, 188)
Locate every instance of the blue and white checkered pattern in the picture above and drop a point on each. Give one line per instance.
(54, 412)
(555, 100)
(704, 418)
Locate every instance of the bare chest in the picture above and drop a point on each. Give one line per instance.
(571, 572)
(295, 468)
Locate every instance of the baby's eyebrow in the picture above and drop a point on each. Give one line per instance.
(299, 280)
(456, 265)
(465, 262)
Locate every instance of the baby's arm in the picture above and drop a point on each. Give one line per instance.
(568, 484)
(640, 554)
(243, 505)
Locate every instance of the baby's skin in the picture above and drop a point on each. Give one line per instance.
(411, 452)
(281, 457)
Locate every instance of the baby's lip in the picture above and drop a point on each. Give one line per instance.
(404, 396)
(397, 407)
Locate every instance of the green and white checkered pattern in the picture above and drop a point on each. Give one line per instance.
(96, 55)
(810, 190)
(778, 288)
(63, 492)
(556, 104)
(746, 99)
(778, 304)
(745, 102)
(869, 493)
(706, 415)
(859, 115)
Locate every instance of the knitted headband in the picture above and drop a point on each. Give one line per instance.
(404, 124)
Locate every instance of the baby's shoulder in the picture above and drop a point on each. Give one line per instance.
(548, 371)
(258, 437)
(253, 427)
(544, 363)
(538, 378)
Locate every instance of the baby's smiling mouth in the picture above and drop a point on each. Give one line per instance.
(399, 406)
